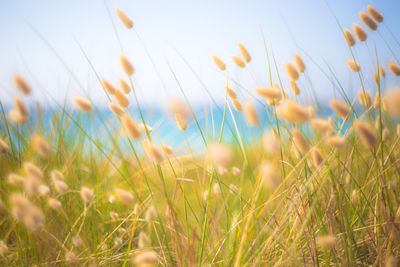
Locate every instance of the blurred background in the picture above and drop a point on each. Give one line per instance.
(52, 42)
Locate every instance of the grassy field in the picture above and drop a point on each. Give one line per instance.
(310, 190)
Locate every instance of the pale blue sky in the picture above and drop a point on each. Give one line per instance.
(197, 29)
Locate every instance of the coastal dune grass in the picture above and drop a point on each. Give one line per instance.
(318, 186)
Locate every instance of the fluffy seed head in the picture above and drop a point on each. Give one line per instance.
(167, 149)
(245, 54)
(15, 179)
(349, 37)
(33, 170)
(219, 154)
(121, 98)
(151, 214)
(178, 106)
(216, 189)
(293, 112)
(3, 248)
(354, 66)
(117, 110)
(60, 186)
(54, 203)
(301, 67)
(270, 93)
(271, 142)
(367, 134)
(385, 134)
(269, 174)
(337, 142)
(393, 102)
(180, 122)
(316, 157)
(326, 241)
(321, 126)
(108, 87)
(235, 171)
(371, 24)
(21, 84)
(375, 13)
(295, 88)
(153, 151)
(250, 114)
(24, 211)
(3, 146)
(360, 33)
(237, 105)
(220, 64)
(382, 72)
(340, 108)
(126, 65)
(83, 104)
(238, 61)
(124, 86)
(31, 186)
(143, 240)
(124, 18)
(77, 241)
(300, 141)
(86, 194)
(131, 127)
(56, 174)
(41, 146)
(44, 190)
(20, 105)
(231, 92)
(114, 216)
(364, 98)
(70, 256)
(145, 258)
(394, 68)
(15, 117)
(291, 71)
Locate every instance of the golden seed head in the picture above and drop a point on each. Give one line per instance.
(60, 186)
(3, 146)
(340, 108)
(300, 141)
(33, 170)
(235, 171)
(121, 98)
(301, 67)
(364, 98)
(31, 185)
(269, 175)
(86, 194)
(293, 112)
(114, 216)
(295, 88)
(124, 195)
(54, 203)
(337, 142)
(271, 142)
(354, 66)
(41, 146)
(153, 151)
(117, 110)
(367, 134)
(167, 149)
(220, 64)
(326, 241)
(394, 68)
(70, 256)
(108, 87)
(124, 18)
(250, 114)
(3, 248)
(15, 117)
(321, 126)
(316, 157)
(44, 190)
(382, 72)
(77, 241)
(180, 122)
(24, 211)
(219, 154)
(349, 37)
(375, 13)
(238, 61)
(124, 86)
(237, 105)
(245, 54)
(145, 258)
(392, 100)
(371, 24)
(131, 127)
(151, 214)
(143, 240)
(56, 174)
(22, 85)
(270, 93)
(360, 33)
(178, 106)
(20, 105)
(291, 71)
(15, 179)
(83, 104)
(126, 65)
(231, 92)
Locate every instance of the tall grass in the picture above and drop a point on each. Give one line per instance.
(308, 189)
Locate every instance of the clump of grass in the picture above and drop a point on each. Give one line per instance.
(297, 184)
